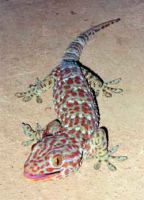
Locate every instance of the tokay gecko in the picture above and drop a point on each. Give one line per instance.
(60, 148)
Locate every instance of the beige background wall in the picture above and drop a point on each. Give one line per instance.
(33, 36)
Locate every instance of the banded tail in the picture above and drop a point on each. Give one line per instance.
(74, 50)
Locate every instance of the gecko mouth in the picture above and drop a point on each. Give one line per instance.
(38, 177)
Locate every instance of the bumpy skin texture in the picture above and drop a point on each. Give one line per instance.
(74, 101)
(61, 147)
(53, 157)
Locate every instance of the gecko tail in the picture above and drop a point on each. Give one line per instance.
(75, 48)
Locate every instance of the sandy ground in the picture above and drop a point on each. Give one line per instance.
(33, 36)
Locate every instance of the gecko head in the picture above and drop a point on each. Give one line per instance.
(53, 157)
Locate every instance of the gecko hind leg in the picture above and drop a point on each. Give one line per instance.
(103, 154)
(52, 128)
(36, 135)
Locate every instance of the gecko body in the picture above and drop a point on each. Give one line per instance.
(77, 136)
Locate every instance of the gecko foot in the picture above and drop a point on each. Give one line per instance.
(106, 158)
(107, 90)
(102, 153)
(34, 135)
(36, 89)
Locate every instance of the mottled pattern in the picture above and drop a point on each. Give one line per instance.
(53, 157)
(74, 101)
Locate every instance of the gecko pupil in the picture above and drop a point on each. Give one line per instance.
(57, 161)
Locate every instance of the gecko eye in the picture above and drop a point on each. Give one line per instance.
(57, 160)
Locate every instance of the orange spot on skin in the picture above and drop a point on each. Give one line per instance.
(41, 172)
(65, 121)
(78, 134)
(76, 109)
(74, 165)
(40, 160)
(86, 136)
(35, 169)
(70, 81)
(64, 109)
(56, 96)
(85, 104)
(83, 121)
(74, 94)
(70, 123)
(69, 104)
(72, 131)
(46, 157)
(76, 121)
(66, 87)
(67, 70)
(74, 70)
(81, 92)
(86, 126)
(75, 153)
(85, 109)
(87, 147)
(76, 103)
(67, 171)
(65, 165)
(77, 80)
(63, 141)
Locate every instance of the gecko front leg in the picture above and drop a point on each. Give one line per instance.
(36, 89)
(97, 84)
